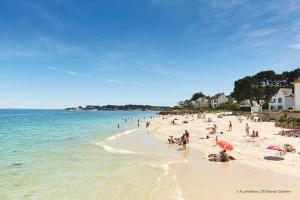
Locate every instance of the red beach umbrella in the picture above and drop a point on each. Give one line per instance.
(225, 145)
(276, 147)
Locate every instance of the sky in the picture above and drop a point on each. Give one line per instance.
(60, 53)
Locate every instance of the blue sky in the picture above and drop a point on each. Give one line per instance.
(59, 53)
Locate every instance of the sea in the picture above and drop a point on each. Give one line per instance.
(60, 154)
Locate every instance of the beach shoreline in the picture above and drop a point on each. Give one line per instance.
(248, 151)
(190, 176)
(248, 177)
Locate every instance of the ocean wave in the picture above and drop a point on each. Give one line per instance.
(115, 136)
(115, 150)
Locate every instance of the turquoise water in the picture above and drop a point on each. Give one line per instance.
(52, 154)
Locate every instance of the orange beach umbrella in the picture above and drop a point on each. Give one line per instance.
(225, 145)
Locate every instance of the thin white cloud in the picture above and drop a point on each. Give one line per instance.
(294, 46)
(261, 33)
(121, 82)
(224, 4)
(57, 47)
(71, 73)
(12, 53)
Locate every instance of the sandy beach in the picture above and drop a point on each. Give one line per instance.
(250, 176)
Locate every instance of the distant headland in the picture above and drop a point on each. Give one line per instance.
(129, 107)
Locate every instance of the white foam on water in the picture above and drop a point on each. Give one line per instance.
(115, 150)
(111, 149)
(178, 194)
(115, 136)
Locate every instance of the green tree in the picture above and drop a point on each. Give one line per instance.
(197, 96)
(247, 88)
(268, 85)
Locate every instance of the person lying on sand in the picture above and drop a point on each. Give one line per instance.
(223, 156)
(254, 134)
(207, 137)
(289, 148)
(178, 141)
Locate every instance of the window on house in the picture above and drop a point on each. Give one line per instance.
(279, 108)
(279, 100)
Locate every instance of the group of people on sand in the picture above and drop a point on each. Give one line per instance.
(221, 157)
(183, 140)
(254, 133)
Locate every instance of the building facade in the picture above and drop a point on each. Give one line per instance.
(217, 100)
(297, 93)
(283, 100)
(201, 103)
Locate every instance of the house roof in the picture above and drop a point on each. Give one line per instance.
(217, 96)
(201, 99)
(287, 91)
(297, 80)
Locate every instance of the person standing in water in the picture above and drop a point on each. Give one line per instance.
(118, 126)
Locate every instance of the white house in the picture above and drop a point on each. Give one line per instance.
(245, 104)
(254, 108)
(283, 100)
(297, 93)
(217, 100)
(201, 103)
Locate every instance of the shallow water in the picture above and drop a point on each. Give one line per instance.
(55, 154)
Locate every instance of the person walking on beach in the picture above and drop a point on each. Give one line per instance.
(216, 140)
(230, 126)
(187, 135)
(184, 141)
(247, 129)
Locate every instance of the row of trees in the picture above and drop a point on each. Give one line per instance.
(259, 87)
(263, 85)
